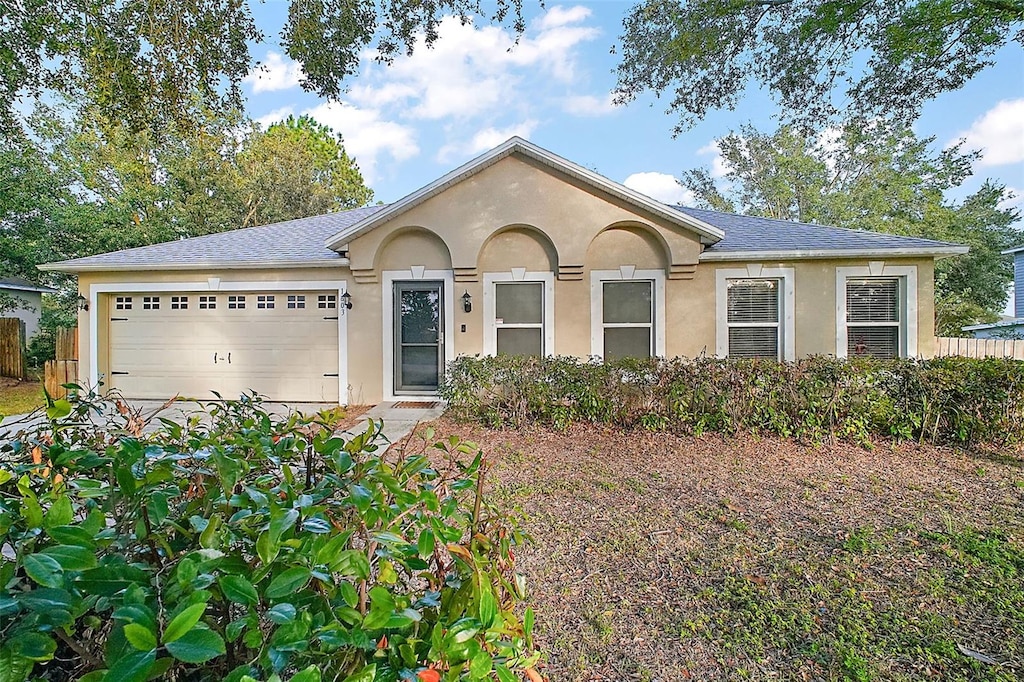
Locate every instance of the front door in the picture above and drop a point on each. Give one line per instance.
(419, 336)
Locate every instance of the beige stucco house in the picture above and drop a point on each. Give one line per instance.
(517, 251)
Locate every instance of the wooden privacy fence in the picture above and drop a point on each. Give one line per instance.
(63, 369)
(12, 347)
(979, 348)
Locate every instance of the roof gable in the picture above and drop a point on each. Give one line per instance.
(517, 145)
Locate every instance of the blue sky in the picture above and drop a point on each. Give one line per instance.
(409, 123)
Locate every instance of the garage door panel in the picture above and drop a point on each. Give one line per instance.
(285, 354)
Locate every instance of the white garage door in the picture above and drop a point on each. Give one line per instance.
(283, 345)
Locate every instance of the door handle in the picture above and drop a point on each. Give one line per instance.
(215, 358)
(229, 358)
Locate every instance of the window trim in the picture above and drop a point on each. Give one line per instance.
(787, 318)
(626, 273)
(519, 276)
(907, 276)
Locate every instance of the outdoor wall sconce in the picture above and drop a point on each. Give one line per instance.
(83, 303)
(346, 301)
(467, 302)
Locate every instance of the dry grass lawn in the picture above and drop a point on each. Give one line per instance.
(664, 558)
(19, 397)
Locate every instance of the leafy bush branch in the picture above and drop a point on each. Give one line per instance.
(944, 400)
(241, 546)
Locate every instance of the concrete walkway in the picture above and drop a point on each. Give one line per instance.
(399, 422)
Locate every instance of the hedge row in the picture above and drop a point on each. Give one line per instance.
(942, 401)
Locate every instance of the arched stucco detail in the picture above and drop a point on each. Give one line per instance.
(411, 246)
(628, 243)
(518, 246)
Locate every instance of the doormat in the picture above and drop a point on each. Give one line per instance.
(410, 405)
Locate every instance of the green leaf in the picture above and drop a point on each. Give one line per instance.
(60, 512)
(198, 645)
(239, 590)
(310, 674)
(288, 582)
(72, 557)
(367, 674)
(481, 665)
(348, 593)
(133, 667)
(34, 646)
(44, 569)
(13, 668)
(73, 535)
(140, 637)
(267, 547)
(183, 622)
(425, 544)
(208, 538)
(281, 613)
(488, 606)
(60, 409)
(504, 674)
(351, 563)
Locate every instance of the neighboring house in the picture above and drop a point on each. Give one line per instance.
(517, 251)
(1007, 327)
(30, 298)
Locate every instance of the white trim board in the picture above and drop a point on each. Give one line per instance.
(216, 284)
(387, 281)
(756, 271)
(625, 273)
(490, 345)
(908, 290)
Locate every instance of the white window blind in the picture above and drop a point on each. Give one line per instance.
(873, 317)
(753, 317)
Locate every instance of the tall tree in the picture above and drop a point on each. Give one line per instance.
(149, 63)
(889, 55)
(878, 177)
(296, 168)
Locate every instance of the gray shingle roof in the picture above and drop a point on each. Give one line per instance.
(22, 284)
(751, 234)
(291, 242)
(303, 241)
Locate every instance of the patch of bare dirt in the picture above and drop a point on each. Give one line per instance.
(658, 557)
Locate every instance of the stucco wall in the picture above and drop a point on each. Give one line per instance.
(32, 308)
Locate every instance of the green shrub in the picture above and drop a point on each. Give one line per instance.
(241, 546)
(944, 400)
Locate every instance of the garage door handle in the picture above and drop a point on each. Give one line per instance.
(229, 358)
(330, 375)
(215, 358)
(331, 318)
(119, 319)
(119, 373)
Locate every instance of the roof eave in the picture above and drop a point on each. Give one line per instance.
(1016, 249)
(1017, 322)
(33, 289)
(71, 267)
(936, 252)
(510, 146)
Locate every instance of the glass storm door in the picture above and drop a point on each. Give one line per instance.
(419, 336)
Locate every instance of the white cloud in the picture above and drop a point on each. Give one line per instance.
(1016, 200)
(471, 72)
(589, 105)
(999, 133)
(661, 186)
(485, 139)
(367, 136)
(560, 16)
(719, 166)
(275, 73)
(274, 116)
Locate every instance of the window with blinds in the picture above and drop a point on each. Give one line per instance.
(873, 317)
(753, 317)
(519, 318)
